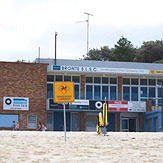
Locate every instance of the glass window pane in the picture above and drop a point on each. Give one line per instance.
(7, 120)
(89, 80)
(152, 92)
(97, 92)
(76, 79)
(113, 93)
(134, 93)
(126, 81)
(134, 82)
(97, 80)
(105, 80)
(89, 92)
(143, 92)
(143, 99)
(159, 92)
(126, 93)
(50, 90)
(152, 81)
(124, 124)
(67, 78)
(50, 78)
(143, 81)
(105, 92)
(76, 91)
(113, 80)
(32, 120)
(59, 78)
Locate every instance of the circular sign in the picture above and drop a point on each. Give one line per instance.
(8, 101)
(98, 104)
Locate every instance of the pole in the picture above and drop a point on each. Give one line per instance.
(38, 54)
(88, 30)
(56, 46)
(65, 120)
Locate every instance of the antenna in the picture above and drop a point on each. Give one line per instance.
(88, 14)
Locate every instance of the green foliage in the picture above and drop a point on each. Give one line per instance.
(102, 54)
(124, 50)
(150, 52)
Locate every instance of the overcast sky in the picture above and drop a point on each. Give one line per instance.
(26, 25)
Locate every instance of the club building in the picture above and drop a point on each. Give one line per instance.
(131, 90)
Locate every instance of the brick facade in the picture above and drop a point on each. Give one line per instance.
(24, 80)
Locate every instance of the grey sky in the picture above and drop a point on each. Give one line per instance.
(26, 25)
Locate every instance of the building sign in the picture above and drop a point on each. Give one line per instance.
(136, 106)
(156, 72)
(118, 106)
(96, 105)
(129, 106)
(15, 103)
(79, 104)
(99, 69)
(52, 105)
(63, 92)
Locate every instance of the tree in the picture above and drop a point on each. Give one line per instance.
(124, 50)
(102, 54)
(150, 51)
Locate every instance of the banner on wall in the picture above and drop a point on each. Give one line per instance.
(129, 106)
(15, 103)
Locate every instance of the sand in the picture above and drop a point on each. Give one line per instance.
(34, 146)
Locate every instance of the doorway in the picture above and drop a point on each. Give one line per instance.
(128, 124)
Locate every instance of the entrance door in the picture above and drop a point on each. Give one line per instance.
(132, 125)
(125, 125)
(75, 121)
(128, 125)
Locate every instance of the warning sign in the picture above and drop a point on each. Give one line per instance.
(63, 92)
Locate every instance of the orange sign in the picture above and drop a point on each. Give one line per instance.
(63, 92)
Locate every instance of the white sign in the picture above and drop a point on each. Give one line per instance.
(15, 103)
(80, 102)
(100, 69)
(136, 106)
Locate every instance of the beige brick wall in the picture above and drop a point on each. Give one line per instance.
(24, 80)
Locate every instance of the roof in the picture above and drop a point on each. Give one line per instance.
(108, 64)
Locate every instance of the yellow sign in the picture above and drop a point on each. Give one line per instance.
(63, 92)
(156, 72)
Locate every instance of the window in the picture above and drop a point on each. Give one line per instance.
(126, 81)
(6, 120)
(152, 82)
(97, 80)
(50, 90)
(76, 87)
(126, 93)
(105, 80)
(67, 78)
(59, 78)
(76, 79)
(105, 92)
(50, 78)
(113, 80)
(134, 82)
(134, 93)
(143, 81)
(143, 92)
(113, 93)
(89, 80)
(89, 92)
(97, 92)
(152, 92)
(32, 121)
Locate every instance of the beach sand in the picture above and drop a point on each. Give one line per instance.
(34, 146)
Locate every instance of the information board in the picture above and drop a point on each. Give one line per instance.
(63, 92)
